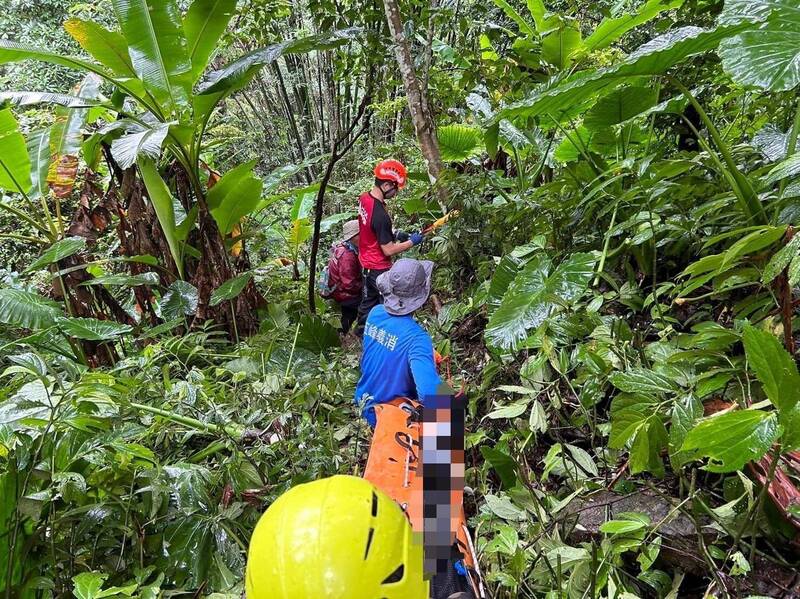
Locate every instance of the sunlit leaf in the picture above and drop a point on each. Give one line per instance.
(733, 439)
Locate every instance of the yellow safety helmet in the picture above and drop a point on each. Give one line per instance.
(336, 538)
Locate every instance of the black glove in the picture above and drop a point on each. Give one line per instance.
(401, 236)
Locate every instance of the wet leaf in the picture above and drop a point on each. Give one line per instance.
(733, 439)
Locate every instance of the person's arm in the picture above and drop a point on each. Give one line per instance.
(423, 367)
(393, 247)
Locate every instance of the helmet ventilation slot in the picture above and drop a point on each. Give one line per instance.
(395, 576)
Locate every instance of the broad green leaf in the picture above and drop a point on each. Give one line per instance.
(560, 45)
(15, 166)
(109, 48)
(141, 142)
(180, 300)
(628, 414)
(621, 527)
(510, 411)
(234, 196)
(161, 199)
(91, 329)
(58, 251)
(613, 28)
(503, 508)
(771, 142)
(458, 142)
(203, 25)
(157, 47)
(781, 259)
(685, 413)
(230, 289)
(512, 14)
(753, 242)
(504, 465)
(619, 106)
(645, 454)
(788, 168)
(11, 51)
(23, 309)
(538, 11)
(238, 74)
(733, 439)
(66, 138)
(506, 271)
(653, 58)
(642, 381)
(39, 153)
(317, 335)
(769, 56)
(790, 421)
(534, 295)
(774, 367)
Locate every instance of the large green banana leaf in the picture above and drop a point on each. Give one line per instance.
(161, 199)
(234, 196)
(157, 48)
(66, 138)
(39, 152)
(203, 25)
(108, 48)
(15, 166)
(33, 98)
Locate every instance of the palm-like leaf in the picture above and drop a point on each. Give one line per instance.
(203, 25)
(27, 310)
(458, 142)
(11, 51)
(535, 293)
(141, 142)
(15, 166)
(157, 48)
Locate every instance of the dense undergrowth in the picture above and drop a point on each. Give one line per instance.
(617, 295)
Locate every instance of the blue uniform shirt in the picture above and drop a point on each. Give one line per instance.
(397, 362)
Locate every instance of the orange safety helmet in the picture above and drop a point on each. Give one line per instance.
(392, 170)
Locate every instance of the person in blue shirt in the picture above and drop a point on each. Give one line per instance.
(398, 358)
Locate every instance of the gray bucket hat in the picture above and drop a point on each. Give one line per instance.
(406, 286)
(350, 230)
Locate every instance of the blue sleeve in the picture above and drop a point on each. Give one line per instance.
(423, 368)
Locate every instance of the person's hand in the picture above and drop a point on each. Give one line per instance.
(417, 238)
(401, 236)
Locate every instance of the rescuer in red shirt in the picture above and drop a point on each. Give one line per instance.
(377, 241)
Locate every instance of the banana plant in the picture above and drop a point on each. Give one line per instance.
(163, 97)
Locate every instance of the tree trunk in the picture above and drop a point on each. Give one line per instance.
(420, 112)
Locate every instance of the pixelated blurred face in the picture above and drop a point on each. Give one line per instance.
(443, 477)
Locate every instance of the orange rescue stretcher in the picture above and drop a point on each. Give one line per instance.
(393, 464)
